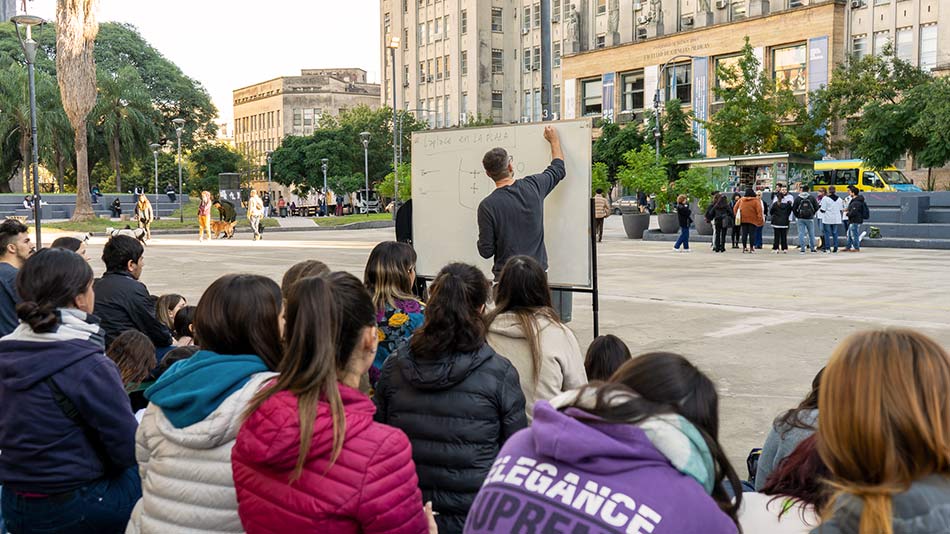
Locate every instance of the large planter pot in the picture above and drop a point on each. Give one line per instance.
(702, 227)
(634, 224)
(669, 223)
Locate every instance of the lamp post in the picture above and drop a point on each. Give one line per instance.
(179, 128)
(326, 206)
(155, 147)
(364, 136)
(393, 46)
(656, 100)
(29, 51)
(268, 154)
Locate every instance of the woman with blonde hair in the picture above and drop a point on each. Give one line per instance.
(884, 432)
(145, 215)
(204, 216)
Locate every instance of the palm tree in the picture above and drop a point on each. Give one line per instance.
(124, 114)
(15, 120)
(76, 29)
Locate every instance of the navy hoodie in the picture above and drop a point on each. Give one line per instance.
(41, 450)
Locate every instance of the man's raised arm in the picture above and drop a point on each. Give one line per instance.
(551, 135)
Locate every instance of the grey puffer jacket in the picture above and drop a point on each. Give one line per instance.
(780, 442)
(922, 509)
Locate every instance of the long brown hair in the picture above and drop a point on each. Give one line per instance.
(387, 275)
(884, 419)
(325, 315)
(164, 306)
(454, 323)
(523, 292)
(134, 355)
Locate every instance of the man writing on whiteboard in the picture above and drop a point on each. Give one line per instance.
(511, 218)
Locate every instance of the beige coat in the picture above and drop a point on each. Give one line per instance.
(562, 364)
(601, 207)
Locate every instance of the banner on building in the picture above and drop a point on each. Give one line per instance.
(817, 63)
(608, 96)
(700, 100)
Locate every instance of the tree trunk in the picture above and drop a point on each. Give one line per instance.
(60, 171)
(114, 156)
(83, 201)
(931, 184)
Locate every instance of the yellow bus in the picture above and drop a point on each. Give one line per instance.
(844, 172)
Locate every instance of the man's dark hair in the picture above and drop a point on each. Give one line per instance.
(599, 191)
(496, 163)
(10, 229)
(120, 250)
(68, 243)
(804, 188)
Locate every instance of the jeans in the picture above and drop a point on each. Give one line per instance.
(599, 229)
(735, 236)
(830, 234)
(758, 237)
(780, 241)
(102, 506)
(256, 226)
(748, 235)
(719, 239)
(683, 238)
(854, 236)
(806, 226)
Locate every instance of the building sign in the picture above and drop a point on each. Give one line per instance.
(817, 63)
(700, 97)
(608, 92)
(689, 47)
(570, 98)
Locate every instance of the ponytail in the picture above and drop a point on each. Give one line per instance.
(42, 319)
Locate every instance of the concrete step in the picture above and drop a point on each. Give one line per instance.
(937, 215)
(885, 242)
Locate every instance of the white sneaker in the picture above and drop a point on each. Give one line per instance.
(861, 237)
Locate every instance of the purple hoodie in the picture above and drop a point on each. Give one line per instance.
(562, 475)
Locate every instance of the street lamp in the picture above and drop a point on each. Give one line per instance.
(393, 46)
(365, 137)
(268, 154)
(179, 128)
(326, 207)
(29, 50)
(656, 100)
(155, 147)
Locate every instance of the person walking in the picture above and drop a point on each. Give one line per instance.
(526, 329)
(736, 225)
(781, 213)
(67, 430)
(339, 204)
(749, 214)
(720, 215)
(511, 218)
(255, 211)
(858, 212)
(685, 218)
(453, 395)
(601, 212)
(830, 209)
(144, 214)
(204, 216)
(15, 249)
(805, 208)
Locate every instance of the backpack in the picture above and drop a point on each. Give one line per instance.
(865, 211)
(806, 209)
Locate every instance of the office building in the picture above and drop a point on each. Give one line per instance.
(918, 30)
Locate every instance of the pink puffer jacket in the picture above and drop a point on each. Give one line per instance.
(372, 487)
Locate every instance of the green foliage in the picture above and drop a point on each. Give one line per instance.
(759, 115)
(599, 178)
(642, 172)
(478, 120)
(386, 187)
(614, 142)
(932, 124)
(207, 162)
(695, 184)
(677, 141)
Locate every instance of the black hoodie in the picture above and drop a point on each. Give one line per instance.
(457, 410)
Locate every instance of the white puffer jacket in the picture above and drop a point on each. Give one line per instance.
(187, 484)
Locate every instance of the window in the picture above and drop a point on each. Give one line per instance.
(880, 41)
(881, 2)
(859, 46)
(555, 10)
(438, 69)
(297, 117)
(526, 109)
(445, 25)
(788, 68)
(438, 29)
(592, 97)
(556, 102)
(679, 83)
(601, 41)
(526, 59)
(438, 112)
(445, 112)
(386, 23)
(497, 61)
(729, 64)
(928, 47)
(496, 19)
(795, 3)
(536, 61)
(463, 105)
(463, 58)
(429, 70)
(421, 33)
(632, 91)
(405, 38)
(536, 21)
(556, 60)
(526, 19)
(463, 22)
(430, 34)
(308, 117)
(497, 106)
(405, 6)
(538, 111)
(737, 10)
(446, 63)
(601, 7)
(422, 71)
(905, 44)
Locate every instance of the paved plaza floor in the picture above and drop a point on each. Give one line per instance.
(760, 325)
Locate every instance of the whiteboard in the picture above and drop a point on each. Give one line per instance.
(448, 183)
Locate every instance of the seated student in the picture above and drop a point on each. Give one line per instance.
(389, 276)
(304, 269)
(637, 454)
(166, 307)
(792, 499)
(67, 433)
(134, 355)
(349, 473)
(788, 430)
(184, 443)
(71, 243)
(176, 355)
(524, 328)
(452, 394)
(605, 355)
(884, 420)
(184, 327)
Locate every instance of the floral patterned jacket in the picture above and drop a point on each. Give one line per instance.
(395, 327)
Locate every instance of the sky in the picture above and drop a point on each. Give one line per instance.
(228, 44)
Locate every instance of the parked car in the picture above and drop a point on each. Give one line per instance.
(628, 202)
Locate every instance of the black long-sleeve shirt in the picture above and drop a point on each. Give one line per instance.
(123, 303)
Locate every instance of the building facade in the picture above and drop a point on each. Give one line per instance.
(459, 59)
(918, 30)
(7, 9)
(266, 112)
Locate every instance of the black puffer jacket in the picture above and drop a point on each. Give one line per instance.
(457, 411)
(781, 213)
(123, 303)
